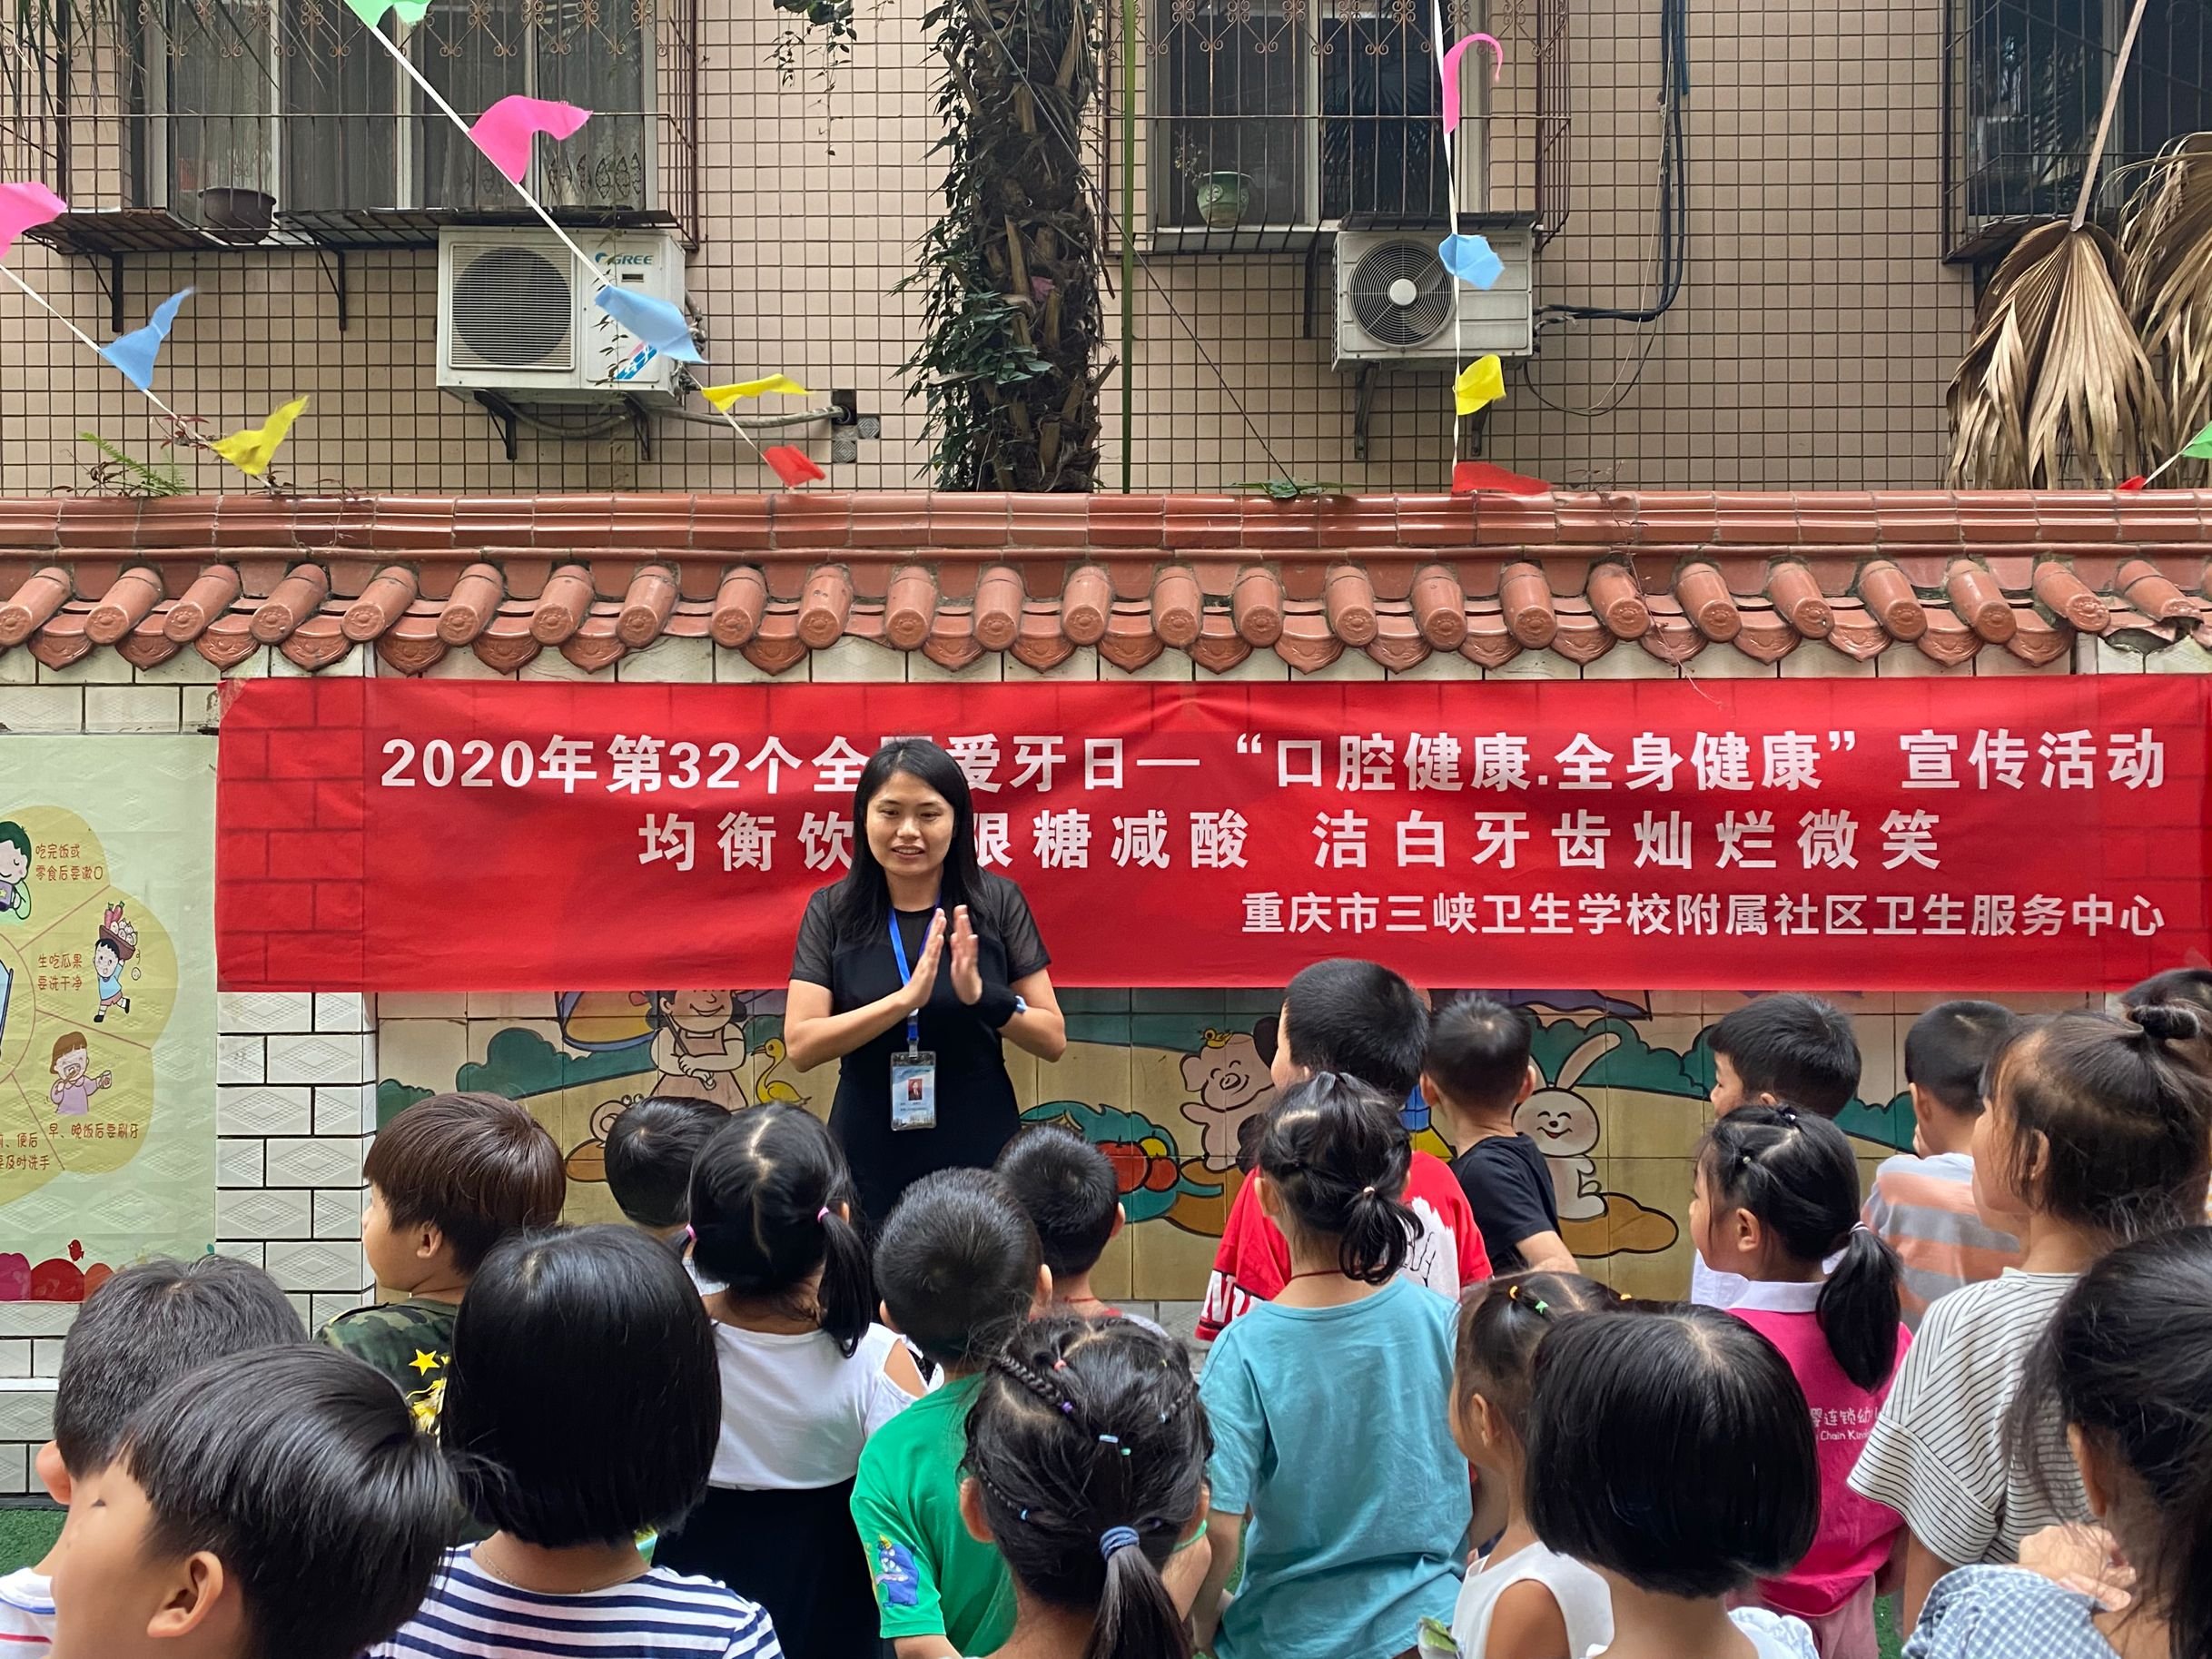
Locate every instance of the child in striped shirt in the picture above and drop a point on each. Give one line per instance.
(2098, 1130)
(583, 1405)
(1922, 1201)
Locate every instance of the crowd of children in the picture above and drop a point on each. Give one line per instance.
(738, 1428)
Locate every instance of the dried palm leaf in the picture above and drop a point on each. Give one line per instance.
(1988, 443)
(2166, 245)
(2094, 395)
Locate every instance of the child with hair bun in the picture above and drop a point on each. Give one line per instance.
(2098, 1130)
(1524, 1602)
(1776, 1197)
(1357, 1502)
(1086, 1465)
(807, 1378)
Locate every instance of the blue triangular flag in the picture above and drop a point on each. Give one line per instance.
(1472, 259)
(656, 321)
(135, 351)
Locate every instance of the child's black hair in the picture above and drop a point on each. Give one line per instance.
(1794, 1047)
(153, 1321)
(956, 1266)
(2122, 1114)
(1673, 1447)
(300, 1469)
(1337, 1154)
(1358, 1018)
(650, 1147)
(1090, 1447)
(1479, 1051)
(1948, 1049)
(1066, 1188)
(2128, 1361)
(2192, 986)
(583, 1399)
(1796, 1173)
(1503, 1320)
(476, 1166)
(770, 1201)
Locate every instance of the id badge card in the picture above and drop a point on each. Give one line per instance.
(913, 1090)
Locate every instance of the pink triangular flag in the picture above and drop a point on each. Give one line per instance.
(2134, 483)
(792, 465)
(1451, 73)
(1471, 476)
(23, 206)
(504, 131)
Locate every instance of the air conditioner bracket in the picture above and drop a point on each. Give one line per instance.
(504, 416)
(641, 424)
(1363, 408)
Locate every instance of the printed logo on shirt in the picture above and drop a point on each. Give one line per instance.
(896, 1584)
(1430, 1256)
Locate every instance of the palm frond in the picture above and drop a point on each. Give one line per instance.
(2166, 242)
(2094, 395)
(1989, 393)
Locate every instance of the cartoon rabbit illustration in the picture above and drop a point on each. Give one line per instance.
(1565, 1128)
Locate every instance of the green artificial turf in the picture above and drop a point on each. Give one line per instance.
(27, 1532)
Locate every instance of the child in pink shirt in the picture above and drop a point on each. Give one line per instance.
(1777, 1195)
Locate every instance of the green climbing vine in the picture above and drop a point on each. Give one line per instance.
(1007, 367)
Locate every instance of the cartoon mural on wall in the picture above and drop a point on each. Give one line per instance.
(1167, 1083)
(107, 1038)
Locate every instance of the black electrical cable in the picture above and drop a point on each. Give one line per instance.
(1674, 179)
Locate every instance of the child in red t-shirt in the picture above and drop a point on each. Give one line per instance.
(1360, 1019)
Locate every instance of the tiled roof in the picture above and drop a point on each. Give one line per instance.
(1219, 576)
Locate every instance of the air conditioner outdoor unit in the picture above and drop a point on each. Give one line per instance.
(1395, 301)
(516, 316)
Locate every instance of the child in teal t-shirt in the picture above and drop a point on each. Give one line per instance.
(959, 1269)
(1331, 1437)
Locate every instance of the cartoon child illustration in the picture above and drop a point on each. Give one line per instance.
(698, 1045)
(118, 944)
(1565, 1128)
(15, 872)
(1233, 1086)
(73, 1084)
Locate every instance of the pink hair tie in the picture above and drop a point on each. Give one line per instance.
(689, 1233)
(822, 1214)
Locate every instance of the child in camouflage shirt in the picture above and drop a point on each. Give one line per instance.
(449, 1177)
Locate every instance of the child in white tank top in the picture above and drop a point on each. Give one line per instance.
(1523, 1599)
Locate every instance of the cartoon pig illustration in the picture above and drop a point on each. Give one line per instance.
(1230, 1083)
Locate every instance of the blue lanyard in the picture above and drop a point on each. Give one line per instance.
(898, 953)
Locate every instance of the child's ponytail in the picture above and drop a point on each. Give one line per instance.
(1088, 1445)
(1796, 1173)
(769, 1196)
(1337, 1154)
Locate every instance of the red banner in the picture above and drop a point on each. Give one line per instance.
(1990, 834)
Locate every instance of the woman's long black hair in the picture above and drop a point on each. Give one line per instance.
(1796, 1173)
(1090, 1446)
(862, 904)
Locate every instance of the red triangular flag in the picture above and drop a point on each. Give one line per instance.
(1469, 477)
(2136, 482)
(791, 465)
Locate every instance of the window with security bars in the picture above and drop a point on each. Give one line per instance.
(2026, 84)
(241, 116)
(1294, 114)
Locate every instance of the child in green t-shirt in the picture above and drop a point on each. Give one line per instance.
(959, 1269)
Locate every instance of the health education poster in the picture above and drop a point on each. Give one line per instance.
(107, 1007)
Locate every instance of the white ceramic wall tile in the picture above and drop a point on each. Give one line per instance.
(342, 1011)
(926, 671)
(43, 708)
(550, 664)
(321, 1057)
(1724, 662)
(466, 665)
(670, 662)
(1628, 660)
(852, 662)
(303, 1304)
(1351, 665)
(2183, 656)
(262, 1213)
(1259, 665)
(238, 1060)
(1817, 660)
(2094, 656)
(1904, 662)
(265, 1011)
(345, 1109)
(318, 1266)
(315, 1162)
(15, 1356)
(325, 1305)
(357, 663)
(1440, 666)
(187, 667)
(1082, 664)
(259, 1109)
(26, 1410)
(36, 1318)
(133, 708)
(1168, 665)
(45, 1361)
(244, 1249)
(238, 1163)
(337, 1212)
(18, 667)
(15, 1478)
(1535, 666)
(95, 667)
(736, 668)
(1996, 660)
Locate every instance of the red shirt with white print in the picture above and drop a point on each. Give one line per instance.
(1253, 1262)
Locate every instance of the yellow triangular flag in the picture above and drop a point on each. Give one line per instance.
(1481, 381)
(251, 449)
(722, 397)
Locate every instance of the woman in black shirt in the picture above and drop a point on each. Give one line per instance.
(912, 972)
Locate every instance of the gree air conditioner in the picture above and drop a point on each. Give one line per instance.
(1395, 303)
(516, 316)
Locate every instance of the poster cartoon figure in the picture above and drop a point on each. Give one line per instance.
(15, 872)
(698, 1045)
(1566, 1129)
(73, 1081)
(118, 942)
(1231, 1084)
